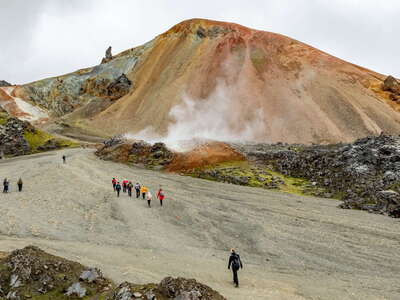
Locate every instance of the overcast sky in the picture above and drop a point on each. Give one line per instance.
(42, 38)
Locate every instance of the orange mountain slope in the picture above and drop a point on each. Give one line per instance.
(223, 81)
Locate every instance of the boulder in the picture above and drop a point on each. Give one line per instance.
(14, 281)
(119, 87)
(388, 201)
(76, 290)
(91, 275)
(391, 84)
(123, 292)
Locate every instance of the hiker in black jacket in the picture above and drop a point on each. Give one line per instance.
(118, 188)
(6, 185)
(20, 183)
(236, 263)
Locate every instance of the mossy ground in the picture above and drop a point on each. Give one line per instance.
(255, 176)
(38, 138)
(3, 118)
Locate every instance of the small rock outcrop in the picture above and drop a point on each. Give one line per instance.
(168, 288)
(4, 83)
(139, 153)
(120, 87)
(31, 273)
(107, 88)
(108, 56)
(391, 84)
(187, 289)
(12, 140)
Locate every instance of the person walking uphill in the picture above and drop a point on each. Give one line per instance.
(149, 196)
(137, 189)
(114, 183)
(235, 263)
(118, 188)
(124, 185)
(144, 190)
(129, 187)
(160, 196)
(20, 183)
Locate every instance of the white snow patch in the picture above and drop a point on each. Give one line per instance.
(33, 113)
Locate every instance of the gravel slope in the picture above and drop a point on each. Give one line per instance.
(292, 247)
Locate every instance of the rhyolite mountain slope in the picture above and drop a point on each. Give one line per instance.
(226, 80)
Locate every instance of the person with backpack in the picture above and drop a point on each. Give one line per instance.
(137, 189)
(124, 185)
(129, 187)
(235, 263)
(64, 158)
(160, 195)
(144, 190)
(149, 196)
(118, 188)
(19, 183)
(114, 183)
(6, 184)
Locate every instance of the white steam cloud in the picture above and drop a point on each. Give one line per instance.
(220, 117)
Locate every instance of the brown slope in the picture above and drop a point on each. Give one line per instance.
(304, 95)
(241, 84)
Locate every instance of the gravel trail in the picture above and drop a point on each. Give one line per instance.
(292, 247)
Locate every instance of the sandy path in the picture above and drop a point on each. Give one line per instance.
(293, 247)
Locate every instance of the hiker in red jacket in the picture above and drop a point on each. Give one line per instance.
(160, 195)
(114, 183)
(124, 185)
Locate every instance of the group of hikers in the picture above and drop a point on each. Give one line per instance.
(6, 185)
(127, 187)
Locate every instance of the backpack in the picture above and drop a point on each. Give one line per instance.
(236, 263)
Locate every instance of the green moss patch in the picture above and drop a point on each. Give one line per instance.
(3, 118)
(63, 143)
(38, 139)
(245, 173)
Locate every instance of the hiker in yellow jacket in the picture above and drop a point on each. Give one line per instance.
(143, 191)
